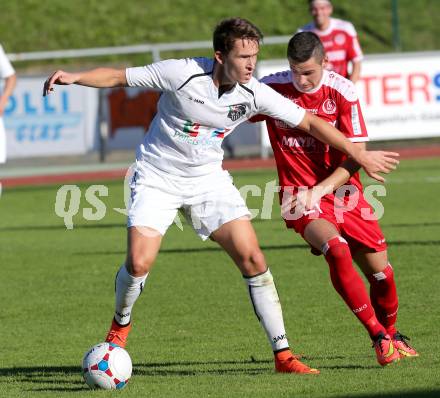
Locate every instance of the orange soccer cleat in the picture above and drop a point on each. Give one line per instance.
(286, 362)
(385, 351)
(118, 334)
(404, 349)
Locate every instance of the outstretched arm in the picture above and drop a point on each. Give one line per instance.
(100, 78)
(7, 91)
(373, 162)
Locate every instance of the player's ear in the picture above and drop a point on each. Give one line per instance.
(219, 57)
(325, 61)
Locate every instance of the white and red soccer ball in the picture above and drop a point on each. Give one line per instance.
(106, 366)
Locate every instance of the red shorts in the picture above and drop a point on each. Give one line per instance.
(358, 226)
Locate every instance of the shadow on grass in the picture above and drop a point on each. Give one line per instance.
(62, 374)
(292, 246)
(69, 378)
(46, 378)
(59, 389)
(123, 226)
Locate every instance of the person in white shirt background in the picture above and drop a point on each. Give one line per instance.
(7, 73)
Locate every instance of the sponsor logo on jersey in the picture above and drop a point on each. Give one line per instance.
(195, 134)
(236, 111)
(192, 129)
(357, 130)
(203, 141)
(340, 39)
(220, 133)
(329, 106)
(304, 144)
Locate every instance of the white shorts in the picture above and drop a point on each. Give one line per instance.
(207, 202)
(2, 142)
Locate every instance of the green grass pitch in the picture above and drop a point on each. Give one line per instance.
(195, 334)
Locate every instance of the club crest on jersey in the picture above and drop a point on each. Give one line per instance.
(340, 39)
(329, 106)
(236, 111)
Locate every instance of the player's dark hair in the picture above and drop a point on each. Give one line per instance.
(231, 29)
(303, 46)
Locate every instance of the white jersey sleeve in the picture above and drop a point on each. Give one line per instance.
(273, 104)
(6, 68)
(164, 75)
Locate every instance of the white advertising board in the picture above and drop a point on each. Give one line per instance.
(63, 123)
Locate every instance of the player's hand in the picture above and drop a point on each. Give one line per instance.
(375, 162)
(303, 201)
(59, 77)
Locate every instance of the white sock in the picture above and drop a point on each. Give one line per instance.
(127, 288)
(267, 307)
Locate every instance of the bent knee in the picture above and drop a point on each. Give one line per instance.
(139, 264)
(252, 262)
(336, 247)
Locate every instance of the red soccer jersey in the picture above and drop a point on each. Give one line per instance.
(340, 43)
(301, 159)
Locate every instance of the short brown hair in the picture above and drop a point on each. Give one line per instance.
(231, 29)
(303, 46)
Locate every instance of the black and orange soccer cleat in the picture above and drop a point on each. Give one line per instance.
(288, 363)
(118, 334)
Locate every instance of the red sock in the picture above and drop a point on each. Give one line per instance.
(384, 299)
(349, 284)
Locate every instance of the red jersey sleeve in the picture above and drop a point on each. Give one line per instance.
(350, 120)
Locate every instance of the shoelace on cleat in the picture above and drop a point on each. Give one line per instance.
(379, 341)
(402, 338)
(114, 334)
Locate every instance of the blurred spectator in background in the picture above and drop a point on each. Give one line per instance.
(338, 37)
(7, 73)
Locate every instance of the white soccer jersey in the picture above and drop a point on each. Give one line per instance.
(184, 138)
(6, 68)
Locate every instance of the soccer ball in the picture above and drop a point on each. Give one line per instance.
(106, 366)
